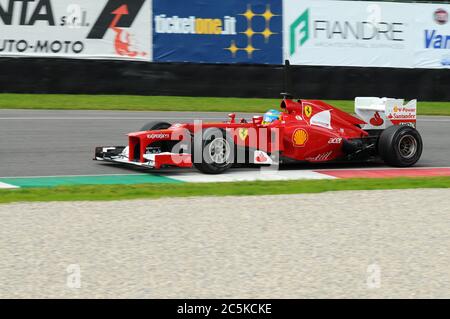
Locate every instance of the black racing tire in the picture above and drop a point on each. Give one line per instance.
(155, 125)
(400, 146)
(207, 158)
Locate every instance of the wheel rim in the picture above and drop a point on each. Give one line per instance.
(219, 151)
(407, 146)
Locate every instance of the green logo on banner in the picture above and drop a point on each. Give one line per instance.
(299, 31)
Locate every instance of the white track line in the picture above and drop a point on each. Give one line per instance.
(265, 173)
(7, 186)
(255, 175)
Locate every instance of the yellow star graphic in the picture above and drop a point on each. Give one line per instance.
(267, 33)
(232, 48)
(249, 32)
(250, 49)
(268, 14)
(249, 14)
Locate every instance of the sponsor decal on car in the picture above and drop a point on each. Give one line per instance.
(261, 157)
(159, 136)
(376, 120)
(320, 157)
(402, 113)
(300, 137)
(307, 110)
(410, 124)
(243, 133)
(335, 140)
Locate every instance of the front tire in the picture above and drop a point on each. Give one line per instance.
(400, 146)
(214, 154)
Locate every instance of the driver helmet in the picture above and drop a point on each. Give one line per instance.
(271, 116)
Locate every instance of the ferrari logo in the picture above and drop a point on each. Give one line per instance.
(243, 133)
(300, 137)
(308, 110)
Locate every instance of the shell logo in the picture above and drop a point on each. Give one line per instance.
(300, 137)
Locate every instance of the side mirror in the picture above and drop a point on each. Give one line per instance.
(257, 120)
(232, 117)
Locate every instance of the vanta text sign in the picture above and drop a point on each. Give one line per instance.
(76, 28)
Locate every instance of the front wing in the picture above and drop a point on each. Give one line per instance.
(120, 154)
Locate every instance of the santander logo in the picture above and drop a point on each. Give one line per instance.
(376, 120)
(261, 158)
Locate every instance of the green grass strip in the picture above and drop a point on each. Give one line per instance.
(171, 103)
(151, 191)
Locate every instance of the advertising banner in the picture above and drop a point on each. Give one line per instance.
(308, 32)
(348, 33)
(115, 29)
(432, 35)
(217, 31)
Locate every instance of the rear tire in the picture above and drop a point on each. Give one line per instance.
(156, 125)
(216, 151)
(400, 146)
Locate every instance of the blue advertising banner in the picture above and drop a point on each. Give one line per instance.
(218, 31)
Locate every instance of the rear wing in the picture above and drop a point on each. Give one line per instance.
(380, 113)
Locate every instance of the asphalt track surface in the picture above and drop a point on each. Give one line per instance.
(54, 143)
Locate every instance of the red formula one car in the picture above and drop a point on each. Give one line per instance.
(302, 131)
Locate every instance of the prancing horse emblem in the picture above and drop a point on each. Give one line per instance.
(243, 133)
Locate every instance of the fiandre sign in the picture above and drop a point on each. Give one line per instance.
(346, 33)
(374, 34)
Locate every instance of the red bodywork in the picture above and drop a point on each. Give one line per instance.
(293, 136)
